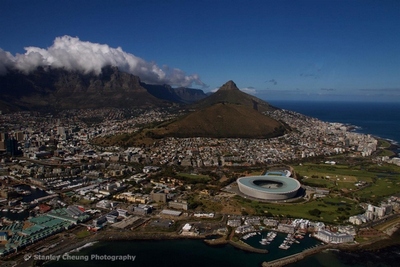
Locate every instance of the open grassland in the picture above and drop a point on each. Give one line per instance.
(329, 209)
(382, 143)
(382, 180)
(384, 186)
(386, 153)
(342, 173)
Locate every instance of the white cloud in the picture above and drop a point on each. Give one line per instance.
(73, 54)
(249, 90)
(6, 60)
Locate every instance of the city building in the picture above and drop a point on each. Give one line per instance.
(335, 238)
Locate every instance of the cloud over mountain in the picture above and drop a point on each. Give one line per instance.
(249, 90)
(73, 54)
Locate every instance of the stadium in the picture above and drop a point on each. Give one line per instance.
(269, 187)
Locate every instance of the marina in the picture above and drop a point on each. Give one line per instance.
(247, 236)
(268, 239)
(280, 243)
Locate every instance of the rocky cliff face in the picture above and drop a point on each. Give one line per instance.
(49, 89)
(229, 86)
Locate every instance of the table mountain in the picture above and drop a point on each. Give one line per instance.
(50, 89)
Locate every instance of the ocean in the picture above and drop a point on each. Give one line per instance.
(196, 253)
(378, 119)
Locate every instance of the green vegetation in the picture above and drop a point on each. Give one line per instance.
(82, 234)
(315, 212)
(328, 209)
(385, 186)
(381, 180)
(383, 143)
(386, 153)
(335, 172)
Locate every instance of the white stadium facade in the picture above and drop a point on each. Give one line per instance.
(269, 187)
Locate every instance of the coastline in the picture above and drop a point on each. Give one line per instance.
(115, 236)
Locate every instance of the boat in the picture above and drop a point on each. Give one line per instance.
(245, 237)
(299, 236)
(26, 192)
(284, 246)
(264, 241)
(33, 187)
(271, 236)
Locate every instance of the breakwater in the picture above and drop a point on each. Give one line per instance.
(295, 257)
(218, 241)
(243, 246)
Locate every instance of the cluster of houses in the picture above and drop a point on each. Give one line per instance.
(376, 212)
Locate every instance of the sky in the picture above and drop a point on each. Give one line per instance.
(275, 50)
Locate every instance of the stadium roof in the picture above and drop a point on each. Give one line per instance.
(287, 184)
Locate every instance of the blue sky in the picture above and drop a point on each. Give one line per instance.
(314, 50)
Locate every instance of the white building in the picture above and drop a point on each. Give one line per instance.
(335, 238)
(358, 219)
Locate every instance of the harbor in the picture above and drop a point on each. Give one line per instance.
(234, 252)
(280, 245)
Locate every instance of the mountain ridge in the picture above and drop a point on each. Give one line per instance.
(56, 89)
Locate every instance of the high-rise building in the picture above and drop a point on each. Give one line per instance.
(12, 147)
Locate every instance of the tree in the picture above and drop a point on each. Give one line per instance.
(315, 212)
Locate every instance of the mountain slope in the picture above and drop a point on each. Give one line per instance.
(229, 93)
(228, 113)
(222, 120)
(50, 89)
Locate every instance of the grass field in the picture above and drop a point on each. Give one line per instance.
(341, 173)
(382, 187)
(332, 209)
(382, 180)
(83, 234)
